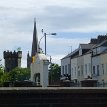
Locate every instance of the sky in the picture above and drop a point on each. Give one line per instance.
(74, 21)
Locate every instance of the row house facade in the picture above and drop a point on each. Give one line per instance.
(89, 61)
(81, 64)
(66, 64)
(99, 62)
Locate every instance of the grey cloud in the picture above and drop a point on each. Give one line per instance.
(57, 18)
(64, 18)
(16, 23)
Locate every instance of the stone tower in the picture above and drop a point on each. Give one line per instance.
(12, 59)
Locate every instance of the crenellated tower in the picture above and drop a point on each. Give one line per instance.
(12, 59)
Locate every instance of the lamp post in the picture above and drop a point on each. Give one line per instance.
(45, 34)
(45, 42)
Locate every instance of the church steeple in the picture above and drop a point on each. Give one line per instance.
(35, 41)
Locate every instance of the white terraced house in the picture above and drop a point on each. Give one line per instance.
(88, 61)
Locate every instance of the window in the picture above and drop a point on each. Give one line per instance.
(89, 65)
(98, 50)
(86, 69)
(69, 69)
(72, 72)
(62, 70)
(65, 69)
(81, 69)
(94, 51)
(93, 69)
(106, 68)
(98, 70)
(78, 67)
(75, 71)
(78, 71)
(102, 68)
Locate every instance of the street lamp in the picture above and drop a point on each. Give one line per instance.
(45, 34)
(45, 39)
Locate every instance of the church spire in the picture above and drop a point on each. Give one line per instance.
(35, 41)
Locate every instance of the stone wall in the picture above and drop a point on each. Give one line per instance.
(53, 97)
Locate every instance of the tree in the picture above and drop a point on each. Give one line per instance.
(4, 76)
(19, 74)
(54, 73)
(1, 71)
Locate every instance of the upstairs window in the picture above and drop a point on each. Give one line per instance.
(65, 69)
(93, 69)
(69, 69)
(98, 72)
(86, 69)
(102, 68)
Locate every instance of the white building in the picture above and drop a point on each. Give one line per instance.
(65, 65)
(74, 67)
(39, 70)
(80, 64)
(87, 65)
(88, 61)
(99, 62)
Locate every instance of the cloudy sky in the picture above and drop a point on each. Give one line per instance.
(74, 21)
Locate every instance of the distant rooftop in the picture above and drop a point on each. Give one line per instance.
(94, 42)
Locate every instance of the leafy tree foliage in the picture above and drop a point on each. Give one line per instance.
(5, 78)
(20, 74)
(17, 74)
(54, 73)
(1, 71)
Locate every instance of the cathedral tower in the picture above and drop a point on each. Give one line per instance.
(35, 41)
(31, 58)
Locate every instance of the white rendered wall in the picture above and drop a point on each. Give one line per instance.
(40, 66)
(80, 64)
(65, 62)
(74, 68)
(87, 61)
(96, 60)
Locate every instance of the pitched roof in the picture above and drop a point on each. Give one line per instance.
(103, 43)
(83, 46)
(86, 46)
(72, 53)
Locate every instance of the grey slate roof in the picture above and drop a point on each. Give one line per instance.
(69, 55)
(104, 43)
(83, 46)
(86, 46)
